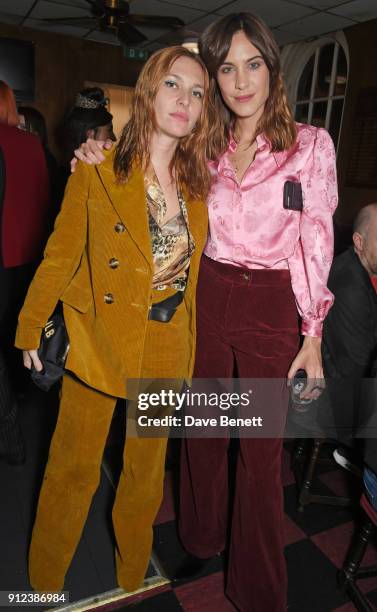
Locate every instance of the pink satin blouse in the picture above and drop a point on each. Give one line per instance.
(249, 227)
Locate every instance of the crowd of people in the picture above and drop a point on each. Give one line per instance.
(192, 248)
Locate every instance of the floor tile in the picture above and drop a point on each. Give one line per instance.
(311, 579)
(164, 602)
(292, 533)
(205, 595)
(83, 578)
(342, 482)
(335, 542)
(171, 553)
(315, 517)
(348, 607)
(14, 547)
(372, 596)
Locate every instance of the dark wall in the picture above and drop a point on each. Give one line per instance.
(63, 64)
(362, 43)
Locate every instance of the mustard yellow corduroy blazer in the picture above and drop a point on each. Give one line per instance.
(105, 306)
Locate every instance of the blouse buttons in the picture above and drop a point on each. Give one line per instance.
(119, 228)
(114, 263)
(109, 298)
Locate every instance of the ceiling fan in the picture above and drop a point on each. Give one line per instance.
(115, 16)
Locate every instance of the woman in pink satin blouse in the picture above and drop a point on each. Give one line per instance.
(263, 266)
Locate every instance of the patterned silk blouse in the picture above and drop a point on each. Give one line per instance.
(172, 243)
(249, 227)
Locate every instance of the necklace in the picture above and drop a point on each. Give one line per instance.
(242, 160)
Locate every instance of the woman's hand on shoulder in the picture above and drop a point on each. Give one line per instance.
(90, 152)
(309, 358)
(31, 359)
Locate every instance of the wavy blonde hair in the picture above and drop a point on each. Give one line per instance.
(190, 158)
(277, 122)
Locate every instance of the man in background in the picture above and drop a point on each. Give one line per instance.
(350, 332)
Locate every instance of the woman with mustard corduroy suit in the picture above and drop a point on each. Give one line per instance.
(130, 235)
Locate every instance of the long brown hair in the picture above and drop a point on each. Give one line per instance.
(190, 159)
(277, 121)
(8, 107)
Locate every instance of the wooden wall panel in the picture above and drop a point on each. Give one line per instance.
(362, 44)
(63, 64)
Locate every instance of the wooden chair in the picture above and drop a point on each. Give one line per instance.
(305, 459)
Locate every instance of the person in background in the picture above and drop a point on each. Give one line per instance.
(24, 203)
(31, 120)
(89, 118)
(350, 340)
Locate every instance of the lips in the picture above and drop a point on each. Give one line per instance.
(180, 116)
(244, 98)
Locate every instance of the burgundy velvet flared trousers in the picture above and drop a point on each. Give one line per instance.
(248, 322)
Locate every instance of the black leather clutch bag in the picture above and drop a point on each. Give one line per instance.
(52, 352)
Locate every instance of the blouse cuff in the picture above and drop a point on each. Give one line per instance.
(311, 328)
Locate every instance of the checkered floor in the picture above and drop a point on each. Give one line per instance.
(316, 540)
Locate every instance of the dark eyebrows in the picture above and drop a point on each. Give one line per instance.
(176, 76)
(251, 59)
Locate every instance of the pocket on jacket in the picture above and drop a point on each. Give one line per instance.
(77, 297)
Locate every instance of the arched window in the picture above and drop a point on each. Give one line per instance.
(321, 88)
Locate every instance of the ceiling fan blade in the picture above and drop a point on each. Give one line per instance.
(83, 22)
(155, 21)
(127, 34)
(97, 6)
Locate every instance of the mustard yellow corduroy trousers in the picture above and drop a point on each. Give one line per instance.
(73, 470)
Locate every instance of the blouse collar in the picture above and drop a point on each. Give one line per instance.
(262, 144)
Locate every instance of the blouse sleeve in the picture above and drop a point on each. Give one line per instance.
(311, 261)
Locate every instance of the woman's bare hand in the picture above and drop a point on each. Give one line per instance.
(90, 152)
(31, 358)
(309, 358)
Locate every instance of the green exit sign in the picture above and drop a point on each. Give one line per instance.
(136, 54)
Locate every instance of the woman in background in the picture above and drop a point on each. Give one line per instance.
(32, 120)
(89, 118)
(24, 203)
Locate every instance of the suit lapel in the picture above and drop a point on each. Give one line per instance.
(197, 220)
(129, 201)
(198, 224)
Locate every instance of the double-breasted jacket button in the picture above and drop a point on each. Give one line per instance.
(114, 263)
(109, 298)
(119, 227)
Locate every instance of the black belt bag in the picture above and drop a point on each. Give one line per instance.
(164, 311)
